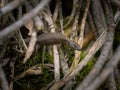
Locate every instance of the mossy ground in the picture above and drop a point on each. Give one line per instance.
(39, 81)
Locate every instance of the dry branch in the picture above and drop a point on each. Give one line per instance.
(35, 70)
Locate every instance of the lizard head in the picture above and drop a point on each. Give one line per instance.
(74, 45)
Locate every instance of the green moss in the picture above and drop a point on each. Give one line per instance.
(118, 85)
(117, 36)
(33, 82)
(38, 56)
(48, 58)
(39, 81)
(86, 69)
(20, 85)
(47, 76)
(82, 55)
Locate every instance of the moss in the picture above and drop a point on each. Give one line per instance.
(33, 82)
(118, 85)
(20, 85)
(48, 58)
(84, 72)
(39, 81)
(47, 76)
(86, 69)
